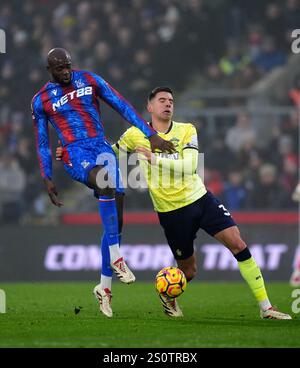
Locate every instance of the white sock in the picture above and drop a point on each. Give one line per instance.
(265, 304)
(114, 252)
(105, 282)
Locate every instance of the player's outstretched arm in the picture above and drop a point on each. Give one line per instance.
(114, 99)
(189, 162)
(187, 165)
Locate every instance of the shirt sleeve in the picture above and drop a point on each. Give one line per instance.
(191, 139)
(187, 165)
(115, 100)
(40, 126)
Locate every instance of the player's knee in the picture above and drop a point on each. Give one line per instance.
(102, 184)
(107, 192)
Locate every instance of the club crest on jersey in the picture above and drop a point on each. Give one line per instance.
(85, 164)
(175, 141)
(71, 95)
(54, 92)
(79, 83)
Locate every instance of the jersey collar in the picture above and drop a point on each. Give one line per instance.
(168, 131)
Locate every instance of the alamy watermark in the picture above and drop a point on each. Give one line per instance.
(2, 301)
(296, 302)
(295, 46)
(2, 42)
(137, 173)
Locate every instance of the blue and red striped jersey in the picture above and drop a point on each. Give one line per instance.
(74, 113)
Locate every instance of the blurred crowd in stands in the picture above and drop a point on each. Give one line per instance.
(257, 40)
(139, 44)
(246, 175)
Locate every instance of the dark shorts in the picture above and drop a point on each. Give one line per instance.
(181, 225)
(81, 157)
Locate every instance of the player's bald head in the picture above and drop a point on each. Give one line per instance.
(58, 56)
(59, 65)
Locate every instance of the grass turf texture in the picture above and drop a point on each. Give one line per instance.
(215, 315)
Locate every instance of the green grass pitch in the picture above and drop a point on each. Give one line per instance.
(215, 315)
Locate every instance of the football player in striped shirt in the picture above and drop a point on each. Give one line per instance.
(70, 103)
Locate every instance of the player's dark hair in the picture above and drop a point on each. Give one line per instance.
(156, 90)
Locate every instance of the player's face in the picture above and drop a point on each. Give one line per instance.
(162, 106)
(61, 72)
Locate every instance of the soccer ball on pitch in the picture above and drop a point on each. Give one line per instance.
(170, 281)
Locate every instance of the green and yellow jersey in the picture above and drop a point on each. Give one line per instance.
(173, 181)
